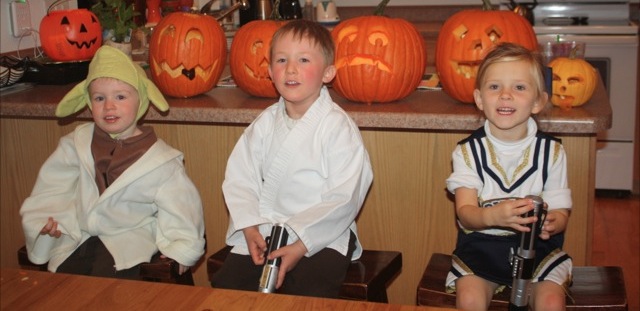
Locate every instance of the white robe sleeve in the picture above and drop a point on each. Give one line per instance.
(243, 181)
(53, 196)
(348, 177)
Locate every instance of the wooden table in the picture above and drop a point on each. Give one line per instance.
(35, 290)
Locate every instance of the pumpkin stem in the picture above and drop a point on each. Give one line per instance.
(486, 5)
(380, 9)
(275, 13)
(54, 4)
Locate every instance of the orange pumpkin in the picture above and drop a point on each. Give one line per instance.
(187, 54)
(378, 59)
(574, 81)
(70, 35)
(465, 39)
(249, 57)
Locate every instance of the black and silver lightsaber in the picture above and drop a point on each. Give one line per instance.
(524, 261)
(276, 240)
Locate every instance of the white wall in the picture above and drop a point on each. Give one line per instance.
(38, 8)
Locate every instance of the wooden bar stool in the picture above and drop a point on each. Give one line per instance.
(163, 270)
(366, 280)
(593, 288)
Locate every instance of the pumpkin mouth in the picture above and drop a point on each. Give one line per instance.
(85, 44)
(189, 73)
(363, 61)
(563, 99)
(261, 71)
(467, 69)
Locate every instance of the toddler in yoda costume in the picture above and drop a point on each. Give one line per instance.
(112, 194)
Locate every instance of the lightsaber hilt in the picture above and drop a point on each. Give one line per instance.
(269, 277)
(524, 261)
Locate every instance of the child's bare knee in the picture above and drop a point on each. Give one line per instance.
(473, 293)
(549, 296)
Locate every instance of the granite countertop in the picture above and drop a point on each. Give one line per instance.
(421, 110)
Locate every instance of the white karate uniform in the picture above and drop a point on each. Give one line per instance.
(313, 177)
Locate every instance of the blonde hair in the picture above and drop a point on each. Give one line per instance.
(508, 52)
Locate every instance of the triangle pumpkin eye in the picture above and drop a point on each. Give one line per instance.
(70, 35)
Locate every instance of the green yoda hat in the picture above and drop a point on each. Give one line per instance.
(109, 62)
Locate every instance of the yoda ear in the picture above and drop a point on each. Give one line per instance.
(155, 96)
(74, 101)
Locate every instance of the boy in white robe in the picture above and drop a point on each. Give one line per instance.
(112, 194)
(302, 163)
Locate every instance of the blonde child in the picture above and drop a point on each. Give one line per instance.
(493, 170)
(112, 194)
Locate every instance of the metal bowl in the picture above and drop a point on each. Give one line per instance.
(11, 70)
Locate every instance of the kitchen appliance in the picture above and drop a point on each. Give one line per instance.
(612, 48)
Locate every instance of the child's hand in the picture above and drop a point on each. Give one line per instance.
(51, 228)
(181, 268)
(256, 244)
(555, 222)
(290, 255)
(508, 214)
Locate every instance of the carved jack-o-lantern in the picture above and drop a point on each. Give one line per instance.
(465, 39)
(574, 81)
(187, 54)
(249, 57)
(70, 35)
(378, 59)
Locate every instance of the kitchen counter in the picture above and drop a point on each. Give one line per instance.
(421, 110)
(410, 142)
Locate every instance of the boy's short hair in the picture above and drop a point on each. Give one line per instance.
(508, 52)
(316, 33)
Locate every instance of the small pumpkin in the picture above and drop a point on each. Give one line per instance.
(574, 81)
(465, 39)
(187, 54)
(70, 35)
(249, 57)
(378, 59)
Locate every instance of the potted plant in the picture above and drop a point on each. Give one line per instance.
(117, 20)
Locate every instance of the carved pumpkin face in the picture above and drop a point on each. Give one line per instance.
(574, 81)
(187, 54)
(378, 59)
(249, 57)
(70, 35)
(465, 39)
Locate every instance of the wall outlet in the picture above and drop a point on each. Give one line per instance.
(20, 19)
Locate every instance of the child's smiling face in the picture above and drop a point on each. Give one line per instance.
(508, 96)
(114, 106)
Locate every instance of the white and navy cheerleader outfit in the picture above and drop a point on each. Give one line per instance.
(499, 170)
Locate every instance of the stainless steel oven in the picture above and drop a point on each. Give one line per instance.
(612, 48)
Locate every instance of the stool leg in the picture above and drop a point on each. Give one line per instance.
(379, 296)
